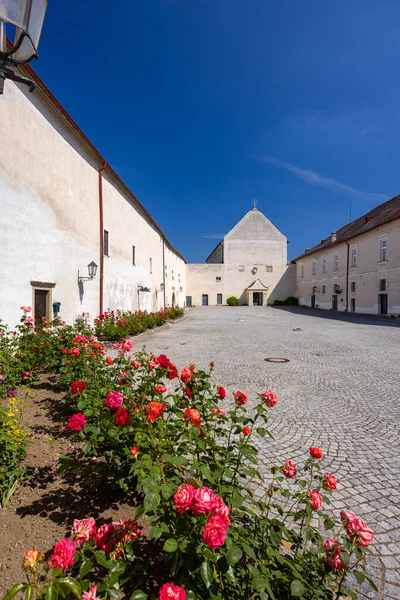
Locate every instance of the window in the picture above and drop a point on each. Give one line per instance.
(133, 255)
(353, 305)
(302, 272)
(353, 257)
(323, 289)
(241, 267)
(106, 242)
(313, 268)
(352, 286)
(336, 263)
(269, 268)
(151, 265)
(219, 298)
(383, 250)
(382, 285)
(324, 265)
(218, 279)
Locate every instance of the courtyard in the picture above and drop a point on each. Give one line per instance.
(339, 390)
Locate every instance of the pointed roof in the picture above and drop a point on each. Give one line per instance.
(260, 285)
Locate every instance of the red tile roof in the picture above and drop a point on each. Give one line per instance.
(384, 213)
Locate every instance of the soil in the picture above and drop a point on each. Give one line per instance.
(45, 504)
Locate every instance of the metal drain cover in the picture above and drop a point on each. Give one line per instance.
(277, 360)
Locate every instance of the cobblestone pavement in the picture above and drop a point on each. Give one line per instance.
(340, 391)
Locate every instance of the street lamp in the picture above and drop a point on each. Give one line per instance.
(92, 269)
(21, 23)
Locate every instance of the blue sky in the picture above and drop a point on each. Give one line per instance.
(203, 105)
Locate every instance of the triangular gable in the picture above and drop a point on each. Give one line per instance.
(255, 226)
(260, 285)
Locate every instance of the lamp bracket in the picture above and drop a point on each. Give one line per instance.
(7, 73)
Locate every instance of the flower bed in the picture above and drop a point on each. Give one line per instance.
(114, 325)
(163, 434)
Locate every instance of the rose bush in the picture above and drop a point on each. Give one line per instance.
(216, 527)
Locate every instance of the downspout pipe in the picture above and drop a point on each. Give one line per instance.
(347, 277)
(101, 215)
(163, 263)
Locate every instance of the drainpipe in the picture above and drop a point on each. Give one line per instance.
(101, 236)
(163, 265)
(347, 277)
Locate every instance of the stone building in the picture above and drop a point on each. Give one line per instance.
(62, 208)
(249, 263)
(357, 268)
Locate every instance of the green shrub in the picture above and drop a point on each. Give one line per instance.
(291, 301)
(232, 301)
(277, 303)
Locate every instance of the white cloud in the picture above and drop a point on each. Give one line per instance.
(317, 179)
(213, 236)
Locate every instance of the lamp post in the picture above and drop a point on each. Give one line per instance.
(21, 23)
(92, 270)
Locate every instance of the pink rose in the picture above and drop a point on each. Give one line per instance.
(222, 412)
(91, 594)
(222, 511)
(83, 530)
(333, 557)
(329, 482)
(346, 517)
(169, 591)
(63, 555)
(270, 398)
(186, 374)
(136, 364)
(214, 533)
(358, 531)
(26, 309)
(160, 389)
(77, 422)
(205, 501)
(240, 398)
(183, 498)
(289, 469)
(221, 392)
(114, 400)
(314, 499)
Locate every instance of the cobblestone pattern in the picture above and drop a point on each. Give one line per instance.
(339, 391)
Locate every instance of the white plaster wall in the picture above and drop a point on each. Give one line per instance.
(366, 275)
(49, 203)
(201, 279)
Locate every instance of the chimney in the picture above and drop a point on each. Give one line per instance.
(307, 250)
(368, 219)
(333, 236)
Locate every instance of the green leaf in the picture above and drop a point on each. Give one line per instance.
(171, 545)
(15, 589)
(51, 592)
(29, 593)
(360, 576)
(138, 595)
(258, 583)
(371, 583)
(261, 431)
(249, 551)
(207, 573)
(72, 585)
(233, 555)
(297, 588)
(102, 560)
(155, 532)
(151, 501)
(85, 568)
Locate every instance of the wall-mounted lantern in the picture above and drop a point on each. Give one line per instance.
(21, 23)
(92, 269)
(161, 287)
(181, 289)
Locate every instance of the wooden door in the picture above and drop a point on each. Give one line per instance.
(40, 305)
(334, 302)
(383, 304)
(204, 300)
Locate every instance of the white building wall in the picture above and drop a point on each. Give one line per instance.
(366, 274)
(49, 203)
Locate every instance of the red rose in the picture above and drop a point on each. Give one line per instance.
(75, 351)
(160, 389)
(212, 364)
(77, 387)
(358, 531)
(214, 533)
(329, 482)
(314, 499)
(64, 351)
(121, 416)
(109, 360)
(246, 430)
(269, 398)
(240, 398)
(172, 372)
(289, 469)
(164, 361)
(183, 498)
(221, 392)
(77, 422)
(186, 374)
(205, 501)
(169, 591)
(63, 555)
(193, 415)
(134, 451)
(347, 517)
(155, 410)
(333, 557)
(316, 452)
